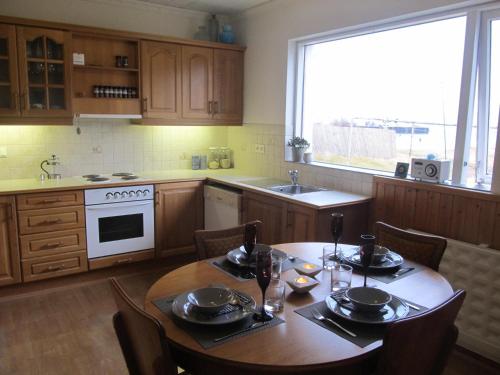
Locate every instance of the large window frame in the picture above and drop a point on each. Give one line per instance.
(475, 66)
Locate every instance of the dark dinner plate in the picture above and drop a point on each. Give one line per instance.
(240, 258)
(393, 260)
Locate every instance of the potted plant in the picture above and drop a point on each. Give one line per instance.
(299, 145)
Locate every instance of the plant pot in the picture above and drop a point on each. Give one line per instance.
(297, 154)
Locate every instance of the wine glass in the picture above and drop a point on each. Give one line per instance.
(264, 269)
(250, 238)
(366, 252)
(337, 226)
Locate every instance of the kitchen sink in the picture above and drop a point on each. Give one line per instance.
(295, 189)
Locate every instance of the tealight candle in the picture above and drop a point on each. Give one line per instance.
(301, 280)
(308, 269)
(308, 266)
(302, 284)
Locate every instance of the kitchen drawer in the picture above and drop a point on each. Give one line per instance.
(42, 244)
(49, 200)
(51, 219)
(54, 266)
(116, 260)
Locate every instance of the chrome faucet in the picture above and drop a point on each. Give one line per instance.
(294, 176)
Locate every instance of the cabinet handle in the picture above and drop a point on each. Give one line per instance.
(48, 222)
(216, 108)
(15, 100)
(50, 201)
(157, 198)
(145, 105)
(54, 268)
(22, 103)
(52, 245)
(210, 106)
(288, 219)
(126, 260)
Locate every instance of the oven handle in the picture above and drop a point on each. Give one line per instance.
(127, 204)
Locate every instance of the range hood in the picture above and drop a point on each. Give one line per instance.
(108, 116)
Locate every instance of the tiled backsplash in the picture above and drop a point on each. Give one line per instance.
(104, 146)
(272, 162)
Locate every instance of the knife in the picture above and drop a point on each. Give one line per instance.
(402, 271)
(249, 328)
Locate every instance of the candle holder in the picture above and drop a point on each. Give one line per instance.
(308, 269)
(302, 284)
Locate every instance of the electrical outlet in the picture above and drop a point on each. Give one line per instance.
(3, 152)
(259, 149)
(97, 150)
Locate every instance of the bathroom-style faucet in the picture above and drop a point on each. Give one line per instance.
(294, 176)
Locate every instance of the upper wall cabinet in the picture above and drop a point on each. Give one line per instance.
(161, 80)
(212, 85)
(44, 72)
(9, 87)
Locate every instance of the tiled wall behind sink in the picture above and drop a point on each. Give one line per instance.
(104, 146)
(272, 161)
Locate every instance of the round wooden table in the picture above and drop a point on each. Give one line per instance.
(298, 344)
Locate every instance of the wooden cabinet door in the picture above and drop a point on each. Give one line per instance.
(10, 266)
(179, 212)
(9, 86)
(228, 86)
(301, 224)
(44, 72)
(161, 80)
(197, 82)
(272, 213)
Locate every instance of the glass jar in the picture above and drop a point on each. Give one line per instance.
(213, 157)
(225, 157)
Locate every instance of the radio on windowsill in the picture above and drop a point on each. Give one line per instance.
(430, 170)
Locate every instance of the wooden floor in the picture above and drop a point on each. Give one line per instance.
(69, 331)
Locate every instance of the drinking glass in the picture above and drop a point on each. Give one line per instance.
(275, 297)
(264, 268)
(250, 238)
(341, 277)
(337, 227)
(366, 252)
(277, 267)
(328, 253)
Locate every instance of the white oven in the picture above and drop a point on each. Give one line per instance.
(119, 220)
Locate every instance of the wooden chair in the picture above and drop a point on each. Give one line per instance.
(213, 243)
(421, 344)
(142, 338)
(424, 249)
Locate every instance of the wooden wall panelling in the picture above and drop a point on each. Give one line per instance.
(495, 241)
(444, 215)
(409, 203)
(486, 222)
(399, 207)
(421, 199)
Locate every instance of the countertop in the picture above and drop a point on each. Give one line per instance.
(231, 177)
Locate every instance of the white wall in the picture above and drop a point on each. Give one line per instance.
(129, 15)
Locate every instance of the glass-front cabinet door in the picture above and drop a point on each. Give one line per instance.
(9, 89)
(45, 72)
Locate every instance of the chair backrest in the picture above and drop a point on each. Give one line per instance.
(424, 249)
(421, 344)
(212, 243)
(142, 338)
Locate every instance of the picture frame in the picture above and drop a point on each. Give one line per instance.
(401, 170)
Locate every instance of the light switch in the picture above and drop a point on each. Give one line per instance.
(3, 152)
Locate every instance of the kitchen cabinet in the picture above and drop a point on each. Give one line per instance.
(52, 234)
(178, 213)
(44, 72)
(161, 80)
(9, 85)
(289, 222)
(212, 84)
(10, 270)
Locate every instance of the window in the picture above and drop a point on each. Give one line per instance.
(381, 94)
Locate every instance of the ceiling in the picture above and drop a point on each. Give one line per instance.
(212, 6)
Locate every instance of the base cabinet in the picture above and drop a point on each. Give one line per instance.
(287, 222)
(10, 268)
(179, 212)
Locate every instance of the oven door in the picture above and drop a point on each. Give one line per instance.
(118, 228)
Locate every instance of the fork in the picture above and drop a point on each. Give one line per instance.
(318, 316)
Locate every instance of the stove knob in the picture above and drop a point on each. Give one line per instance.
(116, 195)
(109, 196)
(131, 193)
(124, 194)
(139, 193)
(146, 192)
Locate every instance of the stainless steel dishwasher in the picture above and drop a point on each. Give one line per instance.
(222, 207)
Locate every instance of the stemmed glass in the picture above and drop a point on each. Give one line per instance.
(366, 252)
(337, 226)
(250, 238)
(264, 269)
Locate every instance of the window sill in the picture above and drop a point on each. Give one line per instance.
(372, 172)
